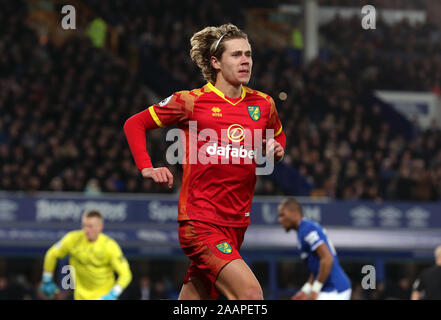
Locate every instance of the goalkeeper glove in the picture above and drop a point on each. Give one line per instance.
(48, 287)
(113, 294)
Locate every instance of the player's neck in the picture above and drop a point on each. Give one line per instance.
(228, 89)
(297, 223)
(93, 240)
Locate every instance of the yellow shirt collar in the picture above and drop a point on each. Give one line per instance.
(222, 95)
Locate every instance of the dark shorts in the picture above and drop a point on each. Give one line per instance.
(210, 248)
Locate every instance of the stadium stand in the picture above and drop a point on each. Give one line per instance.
(338, 143)
(62, 107)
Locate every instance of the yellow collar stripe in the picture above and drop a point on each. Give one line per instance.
(220, 93)
(155, 117)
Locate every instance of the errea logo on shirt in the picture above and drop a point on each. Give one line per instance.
(216, 112)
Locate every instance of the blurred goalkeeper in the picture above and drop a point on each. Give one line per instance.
(95, 258)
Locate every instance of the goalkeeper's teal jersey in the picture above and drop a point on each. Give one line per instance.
(94, 263)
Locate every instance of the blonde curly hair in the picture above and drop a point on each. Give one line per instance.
(210, 42)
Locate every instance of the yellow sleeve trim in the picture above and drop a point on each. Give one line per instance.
(278, 132)
(155, 117)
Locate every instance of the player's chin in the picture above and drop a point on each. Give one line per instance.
(244, 79)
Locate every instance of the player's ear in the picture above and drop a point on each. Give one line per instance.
(215, 63)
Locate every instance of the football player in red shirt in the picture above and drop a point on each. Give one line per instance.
(215, 199)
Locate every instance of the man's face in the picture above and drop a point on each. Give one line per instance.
(145, 282)
(236, 61)
(92, 227)
(287, 218)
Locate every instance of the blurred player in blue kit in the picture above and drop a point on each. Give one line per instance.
(327, 281)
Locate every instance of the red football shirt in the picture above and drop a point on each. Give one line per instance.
(219, 136)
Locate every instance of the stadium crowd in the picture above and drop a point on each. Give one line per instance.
(62, 111)
(71, 137)
(389, 4)
(405, 49)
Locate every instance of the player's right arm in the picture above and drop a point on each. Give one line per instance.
(314, 241)
(57, 251)
(168, 112)
(275, 146)
(326, 262)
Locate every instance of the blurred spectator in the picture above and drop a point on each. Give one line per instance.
(145, 288)
(3, 288)
(92, 188)
(15, 288)
(379, 292)
(399, 291)
(140, 291)
(428, 284)
(159, 291)
(358, 293)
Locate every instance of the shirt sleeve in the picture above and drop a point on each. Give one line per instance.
(120, 265)
(274, 121)
(58, 251)
(313, 238)
(175, 109)
(172, 110)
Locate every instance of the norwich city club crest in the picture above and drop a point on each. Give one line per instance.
(224, 247)
(254, 112)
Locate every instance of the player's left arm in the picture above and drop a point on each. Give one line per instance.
(278, 143)
(326, 261)
(120, 265)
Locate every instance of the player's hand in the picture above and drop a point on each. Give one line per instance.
(273, 148)
(47, 286)
(159, 175)
(113, 294)
(109, 296)
(300, 295)
(312, 296)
